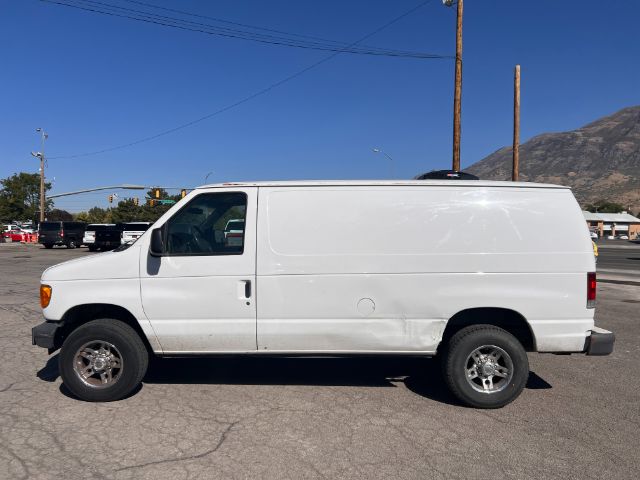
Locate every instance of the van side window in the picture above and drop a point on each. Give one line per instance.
(210, 224)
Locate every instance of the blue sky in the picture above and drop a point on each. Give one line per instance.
(94, 82)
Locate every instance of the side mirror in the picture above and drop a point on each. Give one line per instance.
(156, 247)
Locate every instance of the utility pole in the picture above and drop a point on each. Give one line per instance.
(40, 155)
(42, 200)
(457, 95)
(515, 175)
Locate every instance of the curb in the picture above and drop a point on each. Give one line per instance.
(620, 282)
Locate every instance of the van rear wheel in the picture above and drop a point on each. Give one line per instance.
(103, 360)
(485, 366)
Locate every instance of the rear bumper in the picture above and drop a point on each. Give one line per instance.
(45, 335)
(53, 241)
(599, 342)
(102, 244)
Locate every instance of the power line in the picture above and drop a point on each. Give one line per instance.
(335, 43)
(288, 41)
(249, 97)
(227, 21)
(253, 27)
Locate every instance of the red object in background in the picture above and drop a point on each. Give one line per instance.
(14, 235)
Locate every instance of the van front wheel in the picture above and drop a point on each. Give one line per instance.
(485, 366)
(103, 360)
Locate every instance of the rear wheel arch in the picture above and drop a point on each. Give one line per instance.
(81, 314)
(505, 318)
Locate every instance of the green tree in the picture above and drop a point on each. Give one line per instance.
(126, 211)
(57, 215)
(604, 206)
(95, 215)
(20, 196)
(152, 213)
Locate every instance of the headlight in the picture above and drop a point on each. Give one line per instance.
(45, 295)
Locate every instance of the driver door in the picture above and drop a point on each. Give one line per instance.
(200, 296)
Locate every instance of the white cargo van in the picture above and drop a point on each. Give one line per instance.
(477, 273)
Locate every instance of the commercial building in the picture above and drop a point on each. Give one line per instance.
(605, 224)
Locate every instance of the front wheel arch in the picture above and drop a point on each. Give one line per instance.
(81, 314)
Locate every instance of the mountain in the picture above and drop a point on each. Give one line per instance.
(600, 161)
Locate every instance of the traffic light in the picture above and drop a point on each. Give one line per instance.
(110, 198)
(157, 193)
(152, 203)
(183, 193)
(136, 201)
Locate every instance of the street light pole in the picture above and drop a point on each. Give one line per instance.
(391, 160)
(40, 155)
(457, 94)
(42, 199)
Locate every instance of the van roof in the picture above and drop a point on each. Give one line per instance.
(362, 183)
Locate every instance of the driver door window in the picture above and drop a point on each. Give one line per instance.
(210, 224)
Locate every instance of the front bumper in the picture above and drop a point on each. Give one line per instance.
(46, 335)
(599, 342)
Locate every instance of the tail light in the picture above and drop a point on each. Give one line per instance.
(591, 289)
(62, 233)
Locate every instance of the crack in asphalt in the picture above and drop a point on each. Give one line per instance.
(8, 387)
(222, 439)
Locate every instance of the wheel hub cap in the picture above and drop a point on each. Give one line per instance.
(102, 362)
(98, 364)
(489, 369)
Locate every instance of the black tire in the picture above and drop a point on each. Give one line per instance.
(71, 244)
(92, 248)
(48, 245)
(129, 345)
(457, 360)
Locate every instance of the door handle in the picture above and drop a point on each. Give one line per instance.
(247, 289)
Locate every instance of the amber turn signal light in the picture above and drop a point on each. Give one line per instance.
(45, 295)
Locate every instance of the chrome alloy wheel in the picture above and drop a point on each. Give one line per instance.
(98, 364)
(489, 369)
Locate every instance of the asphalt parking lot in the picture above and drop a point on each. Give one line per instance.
(312, 418)
(619, 259)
